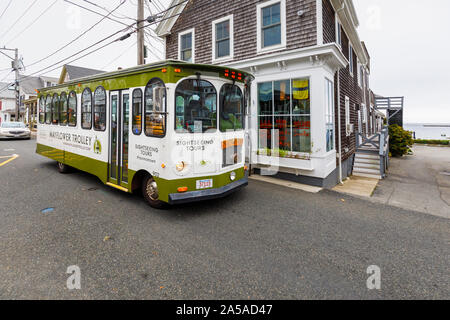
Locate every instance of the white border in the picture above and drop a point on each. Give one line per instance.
(259, 8)
(213, 28)
(180, 34)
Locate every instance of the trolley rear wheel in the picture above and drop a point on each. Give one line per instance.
(63, 168)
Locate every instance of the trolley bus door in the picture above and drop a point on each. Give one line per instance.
(118, 138)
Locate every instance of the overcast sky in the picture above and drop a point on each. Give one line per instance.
(407, 41)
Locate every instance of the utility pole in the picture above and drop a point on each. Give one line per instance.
(140, 33)
(16, 67)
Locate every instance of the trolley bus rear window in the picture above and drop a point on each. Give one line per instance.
(196, 106)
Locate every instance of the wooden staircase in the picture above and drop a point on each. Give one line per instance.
(372, 158)
(367, 165)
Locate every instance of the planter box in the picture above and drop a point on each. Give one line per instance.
(301, 164)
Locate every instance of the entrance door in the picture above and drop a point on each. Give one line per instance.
(118, 137)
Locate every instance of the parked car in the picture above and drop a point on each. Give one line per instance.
(14, 130)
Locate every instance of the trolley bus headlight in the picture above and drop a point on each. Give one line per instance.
(233, 176)
(180, 166)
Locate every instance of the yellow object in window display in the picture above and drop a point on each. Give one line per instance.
(300, 89)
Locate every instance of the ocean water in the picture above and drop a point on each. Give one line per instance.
(429, 131)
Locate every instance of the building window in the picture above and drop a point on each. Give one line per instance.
(362, 76)
(350, 59)
(72, 109)
(137, 112)
(186, 43)
(338, 33)
(285, 106)
(63, 109)
(231, 112)
(86, 109)
(42, 109)
(155, 108)
(195, 106)
(364, 113)
(223, 38)
(100, 109)
(347, 116)
(329, 114)
(48, 109)
(271, 19)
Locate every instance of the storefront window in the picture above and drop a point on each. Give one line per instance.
(329, 114)
(285, 106)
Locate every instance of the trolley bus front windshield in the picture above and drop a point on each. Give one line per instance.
(196, 107)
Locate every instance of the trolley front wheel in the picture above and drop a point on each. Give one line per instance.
(151, 194)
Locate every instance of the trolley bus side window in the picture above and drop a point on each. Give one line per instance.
(72, 111)
(48, 109)
(137, 112)
(86, 109)
(55, 109)
(100, 109)
(63, 109)
(42, 109)
(231, 101)
(155, 108)
(195, 106)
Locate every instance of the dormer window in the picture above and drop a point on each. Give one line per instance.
(271, 16)
(186, 44)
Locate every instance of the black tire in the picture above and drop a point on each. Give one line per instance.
(62, 168)
(150, 193)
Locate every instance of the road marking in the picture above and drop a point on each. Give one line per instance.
(13, 157)
(8, 150)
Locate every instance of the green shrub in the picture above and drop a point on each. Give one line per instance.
(439, 142)
(400, 141)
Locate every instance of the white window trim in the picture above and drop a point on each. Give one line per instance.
(359, 78)
(338, 31)
(259, 8)
(214, 23)
(350, 59)
(364, 110)
(193, 43)
(347, 115)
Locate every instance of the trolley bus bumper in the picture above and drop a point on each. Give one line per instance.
(178, 198)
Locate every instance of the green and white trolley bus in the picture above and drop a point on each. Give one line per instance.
(174, 130)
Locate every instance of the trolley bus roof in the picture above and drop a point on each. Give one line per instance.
(147, 67)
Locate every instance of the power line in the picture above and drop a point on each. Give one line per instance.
(23, 14)
(34, 21)
(76, 38)
(6, 76)
(98, 13)
(7, 6)
(107, 44)
(119, 56)
(106, 9)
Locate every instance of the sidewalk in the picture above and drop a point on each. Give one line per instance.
(419, 182)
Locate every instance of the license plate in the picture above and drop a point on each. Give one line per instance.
(204, 184)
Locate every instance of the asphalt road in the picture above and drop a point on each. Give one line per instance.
(266, 242)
